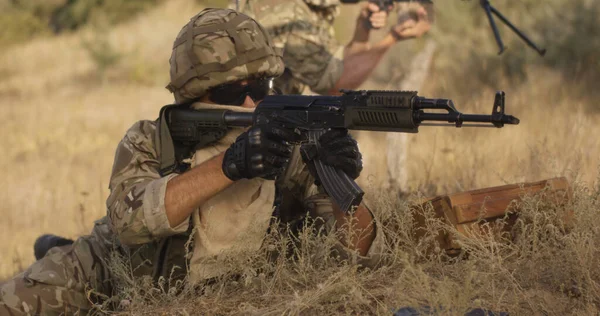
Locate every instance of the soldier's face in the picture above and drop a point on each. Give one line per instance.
(248, 101)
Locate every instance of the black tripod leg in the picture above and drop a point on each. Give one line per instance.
(488, 10)
(524, 37)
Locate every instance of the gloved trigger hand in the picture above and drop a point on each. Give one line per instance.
(262, 151)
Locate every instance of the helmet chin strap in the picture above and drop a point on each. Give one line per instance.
(237, 5)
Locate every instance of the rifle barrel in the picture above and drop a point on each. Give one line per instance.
(238, 119)
(459, 118)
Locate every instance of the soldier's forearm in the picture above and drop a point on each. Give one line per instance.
(360, 39)
(360, 63)
(188, 191)
(357, 229)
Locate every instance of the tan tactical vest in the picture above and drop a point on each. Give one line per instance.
(232, 222)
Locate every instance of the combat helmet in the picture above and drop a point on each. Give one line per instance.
(220, 46)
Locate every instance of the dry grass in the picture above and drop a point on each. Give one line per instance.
(62, 117)
(550, 269)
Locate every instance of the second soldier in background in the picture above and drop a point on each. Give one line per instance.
(313, 58)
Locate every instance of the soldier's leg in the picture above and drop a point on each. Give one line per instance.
(65, 282)
(51, 286)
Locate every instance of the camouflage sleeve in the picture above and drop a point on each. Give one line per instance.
(313, 56)
(311, 53)
(136, 202)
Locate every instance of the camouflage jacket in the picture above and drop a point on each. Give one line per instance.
(137, 212)
(303, 30)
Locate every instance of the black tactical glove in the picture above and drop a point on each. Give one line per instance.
(337, 149)
(262, 151)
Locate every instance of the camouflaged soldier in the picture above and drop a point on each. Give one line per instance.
(223, 202)
(303, 29)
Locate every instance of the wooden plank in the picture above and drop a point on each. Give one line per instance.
(468, 211)
(494, 202)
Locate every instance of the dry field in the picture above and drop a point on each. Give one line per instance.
(66, 101)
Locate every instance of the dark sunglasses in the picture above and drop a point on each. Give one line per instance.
(235, 93)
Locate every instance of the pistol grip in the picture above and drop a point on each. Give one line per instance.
(346, 194)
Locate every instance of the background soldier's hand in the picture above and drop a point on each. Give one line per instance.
(339, 150)
(262, 151)
(411, 24)
(373, 17)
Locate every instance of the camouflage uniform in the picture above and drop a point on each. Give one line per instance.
(71, 279)
(59, 282)
(65, 281)
(304, 31)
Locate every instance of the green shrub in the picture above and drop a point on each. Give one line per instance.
(80, 12)
(22, 20)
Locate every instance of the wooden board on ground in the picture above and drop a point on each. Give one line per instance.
(469, 211)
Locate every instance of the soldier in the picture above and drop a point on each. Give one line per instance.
(303, 29)
(314, 60)
(224, 202)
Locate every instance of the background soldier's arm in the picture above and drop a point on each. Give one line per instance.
(361, 58)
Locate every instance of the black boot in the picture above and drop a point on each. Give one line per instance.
(45, 242)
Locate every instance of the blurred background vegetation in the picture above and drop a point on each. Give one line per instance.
(567, 28)
(466, 48)
(23, 20)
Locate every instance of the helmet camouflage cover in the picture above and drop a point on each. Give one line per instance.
(219, 46)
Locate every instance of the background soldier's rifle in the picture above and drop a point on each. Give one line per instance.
(182, 130)
(489, 10)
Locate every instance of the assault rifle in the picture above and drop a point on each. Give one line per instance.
(182, 130)
(489, 10)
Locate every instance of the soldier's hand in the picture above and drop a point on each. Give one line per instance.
(262, 151)
(411, 24)
(373, 17)
(338, 149)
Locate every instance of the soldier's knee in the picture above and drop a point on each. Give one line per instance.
(9, 301)
(26, 296)
(20, 296)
